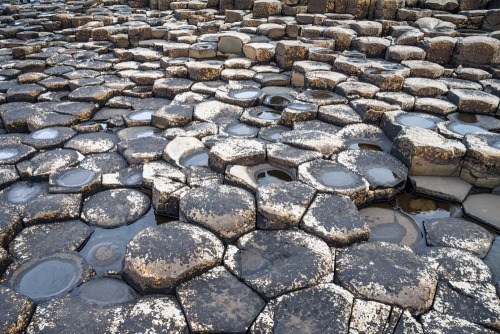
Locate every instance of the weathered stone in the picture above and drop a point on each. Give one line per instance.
(236, 152)
(397, 276)
(277, 262)
(161, 257)
(368, 316)
(434, 322)
(327, 307)
(128, 206)
(484, 208)
(282, 205)
(51, 208)
(39, 240)
(218, 301)
(16, 311)
(425, 152)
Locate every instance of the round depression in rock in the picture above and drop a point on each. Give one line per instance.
(275, 262)
(123, 206)
(392, 226)
(44, 278)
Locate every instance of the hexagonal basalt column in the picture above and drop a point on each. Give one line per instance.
(276, 262)
(161, 257)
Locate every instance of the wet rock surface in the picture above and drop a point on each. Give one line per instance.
(255, 166)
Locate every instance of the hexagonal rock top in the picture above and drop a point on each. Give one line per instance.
(122, 206)
(161, 257)
(277, 262)
(225, 210)
(245, 152)
(323, 308)
(218, 302)
(387, 273)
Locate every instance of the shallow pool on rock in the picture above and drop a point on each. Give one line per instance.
(75, 178)
(271, 175)
(195, 159)
(333, 177)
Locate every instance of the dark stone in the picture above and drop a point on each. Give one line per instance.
(15, 311)
(218, 302)
(387, 273)
(161, 257)
(277, 262)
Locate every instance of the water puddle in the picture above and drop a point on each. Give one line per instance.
(336, 177)
(242, 129)
(24, 191)
(105, 250)
(416, 121)
(106, 291)
(277, 101)
(245, 94)
(268, 115)
(272, 175)
(8, 153)
(45, 134)
(467, 118)
(322, 94)
(464, 129)
(380, 175)
(195, 159)
(75, 178)
(390, 225)
(47, 279)
(359, 145)
(143, 115)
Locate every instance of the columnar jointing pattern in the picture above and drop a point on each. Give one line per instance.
(250, 166)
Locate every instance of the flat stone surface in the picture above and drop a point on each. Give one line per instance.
(230, 216)
(128, 206)
(397, 277)
(335, 219)
(161, 257)
(16, 310)
(323, 307)
(452, 189)
(458, 233)
(276, 262)
(484, 208)
(218, 302)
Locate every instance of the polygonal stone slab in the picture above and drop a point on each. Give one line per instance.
(51, 208)
(481, 165)
(218, 302)
(450, 189)
(385, 174)
(161, 257)
(289, 156)
(475, 302)
(72, 313)
(74, 180)
(437, 323)
(93, 142)
(484, 208)
(227, 211)
(15, 311)
(332, 177)
(335, 219)
(324, 143)
(456, 265)
(458, 233)
(425, 152)
(157, 313)
(101, 163)
(49, 137)
(141, 150)
(45, 163)
(321, 308)
(368, 316)
(283, 205)
(387, 273)
(47, 277)
(276, 262)
(245, 152)
(46, 239)
(123, 206)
